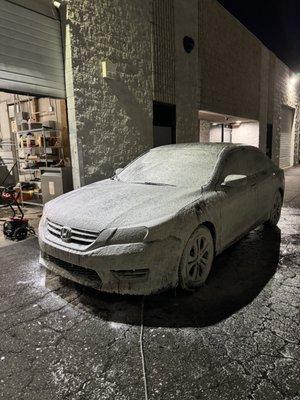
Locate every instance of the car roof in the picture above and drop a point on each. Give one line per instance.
(200, 146)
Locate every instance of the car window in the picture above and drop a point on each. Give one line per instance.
(235, 164)
(259, 161)
(245, 162)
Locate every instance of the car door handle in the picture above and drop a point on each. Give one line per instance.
(253, 184)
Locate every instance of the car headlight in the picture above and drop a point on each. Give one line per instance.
(42, 223)
(129, 235)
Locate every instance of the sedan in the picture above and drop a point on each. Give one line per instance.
(160, 222)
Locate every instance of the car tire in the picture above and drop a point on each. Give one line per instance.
(275, 211)
(197, 259)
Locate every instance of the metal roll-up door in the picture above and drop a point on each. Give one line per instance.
(31, 56)
(287, 117)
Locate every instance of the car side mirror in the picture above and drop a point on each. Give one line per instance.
(234, 181)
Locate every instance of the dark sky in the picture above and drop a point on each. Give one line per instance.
(275, 22)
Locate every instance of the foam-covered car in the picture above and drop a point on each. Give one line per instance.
(160, 221)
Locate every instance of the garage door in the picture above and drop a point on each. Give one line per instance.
(31, 59)
(287, 118)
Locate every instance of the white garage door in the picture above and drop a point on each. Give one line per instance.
(286, 159)
(31, 59)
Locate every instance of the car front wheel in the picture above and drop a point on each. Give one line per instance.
(197, 259)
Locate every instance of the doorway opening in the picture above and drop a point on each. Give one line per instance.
(34, 147)
(164, 124)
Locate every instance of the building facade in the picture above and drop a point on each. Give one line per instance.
(228, 73)
(178, 71)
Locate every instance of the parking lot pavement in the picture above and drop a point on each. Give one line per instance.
(237, 338)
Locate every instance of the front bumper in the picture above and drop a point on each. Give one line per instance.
(136, 268)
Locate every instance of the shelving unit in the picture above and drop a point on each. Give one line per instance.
(36, 148)
(35, 145)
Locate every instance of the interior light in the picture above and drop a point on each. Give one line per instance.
(56, 4)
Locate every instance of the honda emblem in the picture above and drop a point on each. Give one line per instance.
(66, 233)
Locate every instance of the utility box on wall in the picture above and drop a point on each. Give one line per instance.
(55, 182)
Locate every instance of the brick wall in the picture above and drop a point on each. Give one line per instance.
(111, 120)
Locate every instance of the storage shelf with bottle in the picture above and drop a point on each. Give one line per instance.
(38, 145)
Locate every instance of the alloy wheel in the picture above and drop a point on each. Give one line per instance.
(197, 259)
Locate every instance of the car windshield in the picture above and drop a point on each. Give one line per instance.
(183, 166)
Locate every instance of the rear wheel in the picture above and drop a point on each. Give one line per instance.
(197, 259)
(276, 210)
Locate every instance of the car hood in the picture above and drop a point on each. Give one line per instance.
(114, 204)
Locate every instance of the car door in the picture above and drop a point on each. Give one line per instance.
(239, 204)
(265, 182)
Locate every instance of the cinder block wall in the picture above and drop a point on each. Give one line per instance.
(111, 120)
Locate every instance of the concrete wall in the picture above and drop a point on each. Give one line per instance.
(111, 120)
(264, 97)
(284, 92)
(186, 71)
(176, 73)
(246, 133)
(230, 63)
(204, 131)
(163, 34)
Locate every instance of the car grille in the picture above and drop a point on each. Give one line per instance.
(77, 271)
(78, 236)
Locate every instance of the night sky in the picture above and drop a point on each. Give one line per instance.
(275, 22)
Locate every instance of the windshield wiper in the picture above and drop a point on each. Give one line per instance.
(153, 183)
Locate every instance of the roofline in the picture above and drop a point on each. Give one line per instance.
(252, 34)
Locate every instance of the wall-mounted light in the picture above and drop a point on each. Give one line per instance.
(108, 69)
(294, 79)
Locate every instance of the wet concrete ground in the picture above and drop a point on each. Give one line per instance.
(237, 338)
